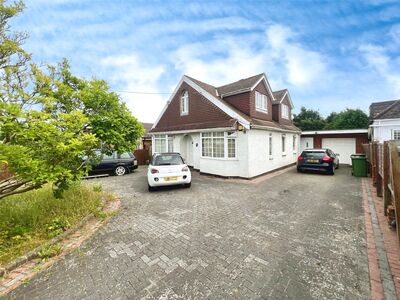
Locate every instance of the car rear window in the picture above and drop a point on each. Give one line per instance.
(167, 160)
(318, 154)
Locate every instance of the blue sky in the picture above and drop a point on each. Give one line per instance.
(329, 54)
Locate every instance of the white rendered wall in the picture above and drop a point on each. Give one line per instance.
(382, 129)
(259, 160)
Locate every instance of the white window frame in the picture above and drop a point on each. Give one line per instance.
(184, 107)
(283, 139)
(226, 137)
(169, 140)
(261, 102)
(270, 147)
(395, 134)
(285, 111)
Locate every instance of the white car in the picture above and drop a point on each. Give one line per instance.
(168, 169)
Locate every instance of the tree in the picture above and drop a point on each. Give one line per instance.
(309, 119)
(50, 119)
(347, 119)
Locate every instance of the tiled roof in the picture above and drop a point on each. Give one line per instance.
(208, 87)
(273, 124)
(206, 125)
(147, 128)
(217, 93)
(385, 110)
(278, 95)
(241, 84)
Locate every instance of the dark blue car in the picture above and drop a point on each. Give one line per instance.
(318, 160)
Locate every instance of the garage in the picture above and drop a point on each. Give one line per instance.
(344, 142)
(343, 146)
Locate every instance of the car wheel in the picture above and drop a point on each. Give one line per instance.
(120, 170)
(188, 185)
(151, 188)
(337, 166)
(332, 172)
(299, 170)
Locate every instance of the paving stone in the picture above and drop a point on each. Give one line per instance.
(220, 239)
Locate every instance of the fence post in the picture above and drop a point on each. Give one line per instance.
(394, 150)
(374, 156)
(386, 178)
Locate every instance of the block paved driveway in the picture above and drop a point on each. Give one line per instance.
(297, 236)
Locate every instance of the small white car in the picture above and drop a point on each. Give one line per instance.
(168, 169)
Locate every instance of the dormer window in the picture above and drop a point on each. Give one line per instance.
(185, 103)
(261, 102)
(285, 111)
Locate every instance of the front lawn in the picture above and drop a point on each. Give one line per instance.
(30, 219)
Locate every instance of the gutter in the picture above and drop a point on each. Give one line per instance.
(273, 128)
(195, 130)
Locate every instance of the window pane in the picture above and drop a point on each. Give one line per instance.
(206, 147)
(231, 148)
(396, 134)
(124, 155)
(218, 134)
(218, 147)
(205, 134)
(283, 144)
(160, 145)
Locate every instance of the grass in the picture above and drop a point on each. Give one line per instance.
(33, 218)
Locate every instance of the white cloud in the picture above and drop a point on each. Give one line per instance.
(303, 66)
(388, 68)
(235, 57)
(132, 75)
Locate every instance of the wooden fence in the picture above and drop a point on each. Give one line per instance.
(385, 172)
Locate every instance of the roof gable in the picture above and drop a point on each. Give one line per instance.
(207, 92)
(280, 96)
(385, 110)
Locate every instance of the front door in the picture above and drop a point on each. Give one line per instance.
(187, 149)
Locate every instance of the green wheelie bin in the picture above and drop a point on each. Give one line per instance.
(359, 165)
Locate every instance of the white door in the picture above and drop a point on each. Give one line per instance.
(344, 146)
(186, 149)
(306, 142)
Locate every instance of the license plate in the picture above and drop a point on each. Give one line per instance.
(170, 178)
(313, 161)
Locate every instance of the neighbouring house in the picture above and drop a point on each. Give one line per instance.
(344, 142)
(242, 129)
(385, 121)
(144, 150)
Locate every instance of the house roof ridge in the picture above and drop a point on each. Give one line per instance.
(242, 79)
(192, 78)
(383, 102)
(395, 103)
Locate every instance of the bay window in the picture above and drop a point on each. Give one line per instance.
(218, 144)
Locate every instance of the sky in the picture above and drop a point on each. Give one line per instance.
(331, 55)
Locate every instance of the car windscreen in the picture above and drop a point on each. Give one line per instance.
(317, 154)
(167, 160)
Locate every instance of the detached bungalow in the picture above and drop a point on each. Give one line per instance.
(242, 129)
